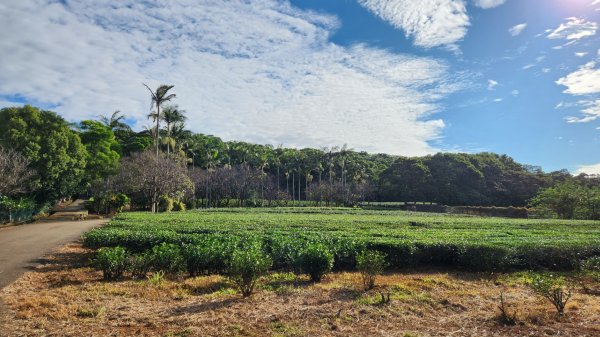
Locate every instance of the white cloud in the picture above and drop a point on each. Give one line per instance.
(485, 4)
(546, 70)
(517, 29)
(492, 85)
(581, 54)
(574, 29)
(515, 92)
(528, 66)
(586, 80)
(498, 100)
(431, 23)
(264, 72)
(591, 112)
(588, 169)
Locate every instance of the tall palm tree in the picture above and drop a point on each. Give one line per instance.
(159, 97)
(115, 121)
(172, 115)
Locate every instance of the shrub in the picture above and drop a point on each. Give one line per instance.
(119, 201)
(370, 264)
(112, 261)
(166, 257)
(139, 265)
(165, 204)
(591, 268)
(555, 289)
(246, 267)
(316, 260)
(178, 205)
(208, 257)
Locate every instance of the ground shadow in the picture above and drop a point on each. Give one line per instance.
(204, 307)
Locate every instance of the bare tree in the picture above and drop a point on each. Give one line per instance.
(15, 174)
(149, 177)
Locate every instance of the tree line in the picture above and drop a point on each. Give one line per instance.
(43, 159)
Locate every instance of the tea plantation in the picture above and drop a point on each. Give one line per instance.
(408, 239)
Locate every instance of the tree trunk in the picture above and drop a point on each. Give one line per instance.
(293, 189)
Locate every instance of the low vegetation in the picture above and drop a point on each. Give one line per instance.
(370, 264)
(407, 239)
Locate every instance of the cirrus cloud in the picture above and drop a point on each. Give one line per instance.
(431, 23)
(574, 29)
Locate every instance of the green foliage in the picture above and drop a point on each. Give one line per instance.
(370, 264)
(316, 260)
(591, 267)
(554, 288)
(107, 203)
(570, 200)
(178, 205)
(443, 240)
(102, 149)
(166, 257)
(140, 265)
(112, 261)
(54, 150)
(165, 204)
(16, 209)
(157, 279)
(247, 265)
(210, 255)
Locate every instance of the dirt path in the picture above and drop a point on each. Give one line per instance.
(21, 247)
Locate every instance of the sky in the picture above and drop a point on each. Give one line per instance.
(404, 77)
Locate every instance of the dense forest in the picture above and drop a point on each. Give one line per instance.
(45, 159)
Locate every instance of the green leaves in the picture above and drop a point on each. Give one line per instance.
(54, 150)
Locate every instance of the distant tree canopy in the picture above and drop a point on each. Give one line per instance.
(460, 179)
(66, 160)
(55, 152)
(570, 200)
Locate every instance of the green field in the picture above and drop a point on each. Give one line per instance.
(409, 239)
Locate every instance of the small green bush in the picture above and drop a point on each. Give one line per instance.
(139, 265)
(370, 264)
(591, 267)
(178, 205)
(119, 201)
(165, 204)
(166, 257)
(316, 260)
(555, 289)
(247, 266)
(112, 261)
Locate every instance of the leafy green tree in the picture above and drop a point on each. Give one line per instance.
(53, 149)
(101, 146)
(561, 199)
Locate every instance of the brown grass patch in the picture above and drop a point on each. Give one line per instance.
(66, 297)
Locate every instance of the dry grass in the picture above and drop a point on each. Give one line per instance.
(65, 297)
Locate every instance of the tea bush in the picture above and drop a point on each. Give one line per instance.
(370, 264)
(166, 257)
(554, 288)
(112, 261)
(247, 266)
(316, 260)
(140, 265)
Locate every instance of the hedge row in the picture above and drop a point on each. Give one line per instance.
(283, 249)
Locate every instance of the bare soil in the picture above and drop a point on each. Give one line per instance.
(66, 297)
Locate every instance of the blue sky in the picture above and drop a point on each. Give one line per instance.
(515, 77)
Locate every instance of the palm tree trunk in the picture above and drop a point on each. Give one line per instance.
(157, 126)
